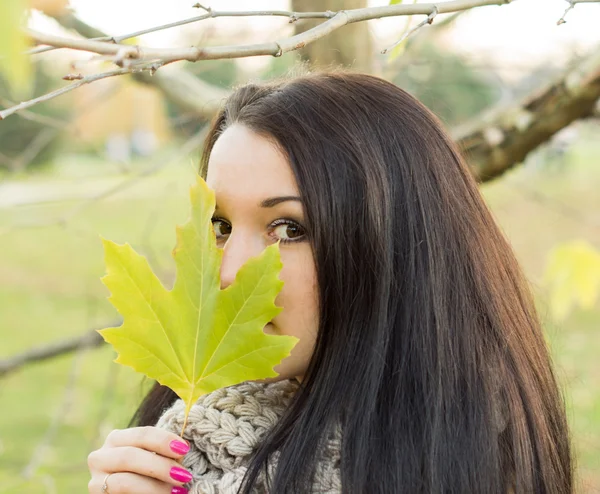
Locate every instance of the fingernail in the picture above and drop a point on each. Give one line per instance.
(179, 447)
(179, 490)
(180, 474)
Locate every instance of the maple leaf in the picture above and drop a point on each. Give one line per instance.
(196, 338)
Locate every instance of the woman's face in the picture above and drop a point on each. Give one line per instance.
(245, 170)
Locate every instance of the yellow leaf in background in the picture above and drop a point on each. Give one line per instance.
(573, 277)
(196, 338)
(15, 65)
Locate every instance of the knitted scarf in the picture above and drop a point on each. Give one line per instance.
(226, 426)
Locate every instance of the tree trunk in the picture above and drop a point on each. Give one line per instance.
(349, 46)
(502, 137)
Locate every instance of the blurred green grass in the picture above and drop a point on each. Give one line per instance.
(50, 289)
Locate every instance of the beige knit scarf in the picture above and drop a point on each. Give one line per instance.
(225, 427)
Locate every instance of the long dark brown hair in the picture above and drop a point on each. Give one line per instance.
(430, 352)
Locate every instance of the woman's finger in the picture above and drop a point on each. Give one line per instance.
(151, 439)
(139, 461)
(131, 483)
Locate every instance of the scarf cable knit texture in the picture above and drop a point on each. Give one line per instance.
(225, 427)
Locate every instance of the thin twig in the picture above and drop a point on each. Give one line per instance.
(61, 91)
(180, 86)
(35, 117)
(90, 339)
(427, 21)
(562, 19)
(572, 4)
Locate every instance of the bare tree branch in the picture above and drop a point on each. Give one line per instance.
(572, 4)
(409, 33)
(503, 137)
(274, 48)
(124, 55)
(356, 15)
(63, 90)
(90, 339)
(36, 117)
(178, 85)
(211, 14)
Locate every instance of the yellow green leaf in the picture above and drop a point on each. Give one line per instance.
(196, 338)
(573, 277)
(15, 65)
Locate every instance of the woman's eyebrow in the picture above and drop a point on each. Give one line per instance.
(273, 201)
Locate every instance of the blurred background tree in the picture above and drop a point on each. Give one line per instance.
(350, 46)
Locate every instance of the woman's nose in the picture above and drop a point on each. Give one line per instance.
(237, 250)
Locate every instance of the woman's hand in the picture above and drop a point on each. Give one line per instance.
(140, 460)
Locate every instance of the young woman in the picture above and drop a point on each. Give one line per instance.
(421, 365)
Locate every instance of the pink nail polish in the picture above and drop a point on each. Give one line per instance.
(180, 474)
(179, 490)
(179, 447)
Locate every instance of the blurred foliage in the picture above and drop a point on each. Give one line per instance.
(573, 277)
(444, 82)
(221, 73)
(18, 131)
(226, 74)
(15, 65)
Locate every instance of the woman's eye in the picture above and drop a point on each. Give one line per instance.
(288, 232)
(221, 228)
(284, 230)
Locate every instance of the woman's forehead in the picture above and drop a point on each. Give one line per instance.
(243, 162)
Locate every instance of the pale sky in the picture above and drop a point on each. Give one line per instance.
(522, 32)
